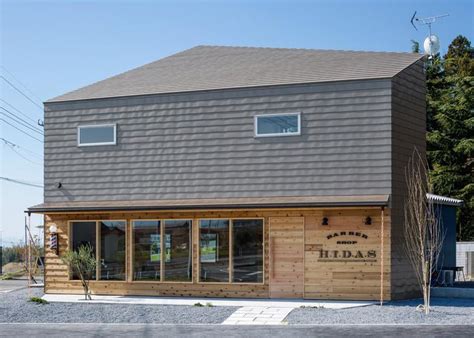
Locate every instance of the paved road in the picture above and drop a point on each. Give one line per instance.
(12, 284)
(150, 330)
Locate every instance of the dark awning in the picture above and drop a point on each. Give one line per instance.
(227, 203)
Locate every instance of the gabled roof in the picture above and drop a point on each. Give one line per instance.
(216, 67)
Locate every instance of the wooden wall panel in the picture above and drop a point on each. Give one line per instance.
(350, 270)
(331, 280)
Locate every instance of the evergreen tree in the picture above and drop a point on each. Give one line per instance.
(450, 124)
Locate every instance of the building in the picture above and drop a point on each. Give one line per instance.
(465, 260)
(257, 172)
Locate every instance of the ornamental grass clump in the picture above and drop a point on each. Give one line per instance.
(83, 263)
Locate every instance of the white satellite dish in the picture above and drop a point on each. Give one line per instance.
(431, 45)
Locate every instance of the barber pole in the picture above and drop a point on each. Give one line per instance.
(53, 243)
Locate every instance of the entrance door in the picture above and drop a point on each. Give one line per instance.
(286, 257)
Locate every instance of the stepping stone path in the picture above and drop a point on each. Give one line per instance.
(253, 315)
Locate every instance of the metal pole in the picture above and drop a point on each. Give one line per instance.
(381, 257)
(29, 251)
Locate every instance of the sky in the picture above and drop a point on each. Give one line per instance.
(51, 47)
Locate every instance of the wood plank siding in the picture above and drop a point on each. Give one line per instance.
(202, 145)
(292, 240)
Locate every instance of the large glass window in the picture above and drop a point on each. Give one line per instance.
(178, 260)
(214, 250)
(112, 250)
(96, 135)
(147, 250)
(247, 238)
(83, 233)
(278, 125)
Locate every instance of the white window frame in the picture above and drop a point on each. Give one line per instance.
(114, 142)
(277, 134)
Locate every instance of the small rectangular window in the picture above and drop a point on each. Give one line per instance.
(97, 135)
(278, 125)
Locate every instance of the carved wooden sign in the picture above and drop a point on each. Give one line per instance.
(346, 254)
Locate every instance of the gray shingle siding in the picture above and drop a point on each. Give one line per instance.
(202, 145)
(408, 132)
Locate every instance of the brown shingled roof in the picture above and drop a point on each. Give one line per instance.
(216, 67)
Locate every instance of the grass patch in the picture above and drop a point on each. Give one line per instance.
(11, 275)
(38, 300)
(209, 305)
(198, 304)
(311, 307)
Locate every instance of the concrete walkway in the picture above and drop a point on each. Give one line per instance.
(239, 302)
(252, 315)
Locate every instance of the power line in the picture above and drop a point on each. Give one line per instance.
(20, 147)
(19, 111)
(19, 91)
(14, 148)
(22, 122)
(24, 132)
(21, 182)
(24, 86)
(22, 156)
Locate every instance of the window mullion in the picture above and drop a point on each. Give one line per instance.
(231, 252)
(162, 251)
(97, 250)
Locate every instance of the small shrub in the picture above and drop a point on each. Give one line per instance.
(38, 300)
(198, 304)
(209, 305)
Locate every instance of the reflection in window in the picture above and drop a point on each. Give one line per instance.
(83, 233)
(178, 258)
(112, 250)
(277, 125)
(214, 250)
(97, 135)
(247, 250)
(147, 250)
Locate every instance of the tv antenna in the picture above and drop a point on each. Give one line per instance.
(431, 43)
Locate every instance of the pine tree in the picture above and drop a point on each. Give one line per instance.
(450, 109)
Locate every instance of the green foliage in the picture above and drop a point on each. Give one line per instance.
(13, 253)
(38, 300)
(198, 305)
(415, 46)
(82, 262)
(12, 275)
(450, 124)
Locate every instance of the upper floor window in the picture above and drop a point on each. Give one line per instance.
(278, 124)
(97, 135)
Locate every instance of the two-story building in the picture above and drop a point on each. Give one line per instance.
(237, 172)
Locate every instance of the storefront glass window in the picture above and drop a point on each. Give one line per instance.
(83, 233)
(214, 250)
(112, 250)
(147, 250)
(177, 257)
(247, 250)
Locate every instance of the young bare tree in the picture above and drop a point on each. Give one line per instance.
(84, 264)
(423, 235)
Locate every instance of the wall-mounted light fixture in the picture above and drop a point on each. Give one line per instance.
(325, 221)
(368, 220)
(53, 238)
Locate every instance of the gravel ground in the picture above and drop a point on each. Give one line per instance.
(15, 308)
(444, 311)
